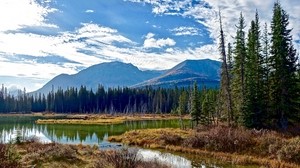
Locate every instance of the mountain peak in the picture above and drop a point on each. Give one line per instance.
(205, 72)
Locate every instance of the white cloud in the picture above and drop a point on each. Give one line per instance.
(89, 11)
(68, 45)
(185, 31)
(16, 14)
(206, 12)
(151, 42)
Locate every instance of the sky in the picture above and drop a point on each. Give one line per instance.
(40, 39)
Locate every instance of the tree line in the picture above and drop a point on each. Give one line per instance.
(260, 76)
(110, 101)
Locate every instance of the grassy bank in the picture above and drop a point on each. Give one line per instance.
(233, 145)
(105, 119)
(53, 155)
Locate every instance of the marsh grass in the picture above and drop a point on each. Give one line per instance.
(53, 155)
(106, 119)
(234, 145)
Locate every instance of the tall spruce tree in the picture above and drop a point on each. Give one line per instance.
(195, 104)
(283, 80)
(225, 99)
(266, 67)
(238, 82)
(254, 108)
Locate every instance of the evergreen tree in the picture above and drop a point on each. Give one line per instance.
(182, 105)
(283, 80)
(195, 105)
(254, 108)
(225, 99)
(238, 83)
(266, 85)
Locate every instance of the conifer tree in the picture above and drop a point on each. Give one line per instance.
(225, 100)
(283, 80)
(195, 104)
(254, 109)
(238, 83)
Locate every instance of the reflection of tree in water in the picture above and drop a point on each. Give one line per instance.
(86, 134)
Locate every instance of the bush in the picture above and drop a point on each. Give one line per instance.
(40, 153)
(122, 158)
(195, 141)
(171, 139)
(222, 139)
(8, 157)
(290, 151)
(268, 144)
(125, 158)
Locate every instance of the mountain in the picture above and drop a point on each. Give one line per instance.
(112, 74)
(205, 72)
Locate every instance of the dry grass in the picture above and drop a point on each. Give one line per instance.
(125, 158)
(54, 155)
(105, 119)
(154, 138)
(234, 145)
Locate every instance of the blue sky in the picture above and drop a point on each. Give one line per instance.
(40, 39)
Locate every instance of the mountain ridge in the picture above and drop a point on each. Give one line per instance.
(205, 72)
(118, 74)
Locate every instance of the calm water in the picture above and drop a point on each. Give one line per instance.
(72, 134)
(10, 127)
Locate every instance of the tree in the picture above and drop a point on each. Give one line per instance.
(283, 80)
(225, 99)
(182, 105)
(195, 105)
(254, 106)
(238, 83)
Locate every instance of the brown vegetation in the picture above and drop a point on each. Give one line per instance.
(53, 155)
(235, 145)
(106, 119)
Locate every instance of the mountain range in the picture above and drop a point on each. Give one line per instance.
(114, 74)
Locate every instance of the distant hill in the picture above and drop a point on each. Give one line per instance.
(205, 72)
(112, 74)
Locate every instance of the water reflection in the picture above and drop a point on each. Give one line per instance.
(72, 134)
(173, 160)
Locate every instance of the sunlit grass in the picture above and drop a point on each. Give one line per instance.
(105, 119)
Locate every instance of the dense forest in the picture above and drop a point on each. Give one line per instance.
(259, 85)
(111, 100)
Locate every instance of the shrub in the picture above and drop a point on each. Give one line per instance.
(125, 158)
(50, 152)
(122, 158)
(222, 139)
(195, 141)
(171, 139)
(268, 144)
(290, 151)
(8, 157)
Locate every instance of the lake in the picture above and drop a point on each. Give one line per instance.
(24, 126)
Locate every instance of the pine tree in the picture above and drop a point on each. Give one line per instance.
(266, 84)
(238, 83)
(195, 105)
(254, 108)
(283, 80)
(225, 99)
(182, 105)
